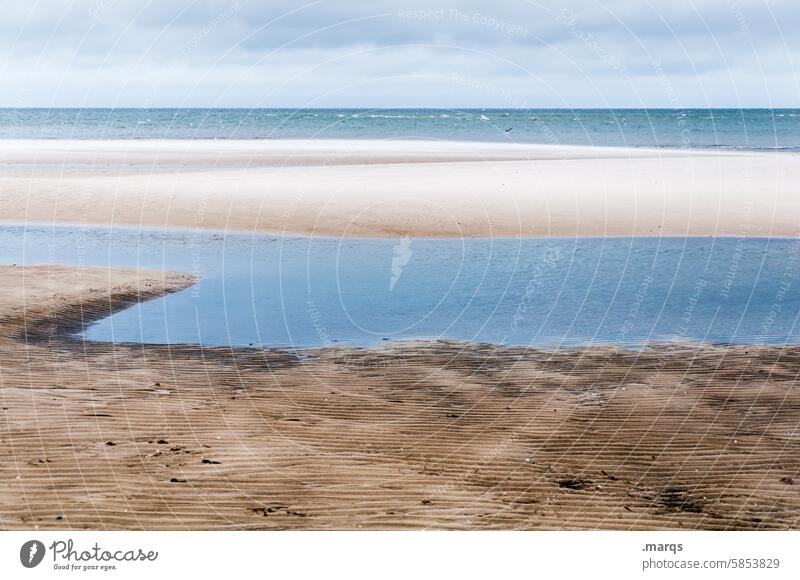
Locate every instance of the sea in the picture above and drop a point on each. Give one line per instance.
(756, 129)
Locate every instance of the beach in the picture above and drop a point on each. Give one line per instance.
(397, 188)
(408, 436)
(423, 434)
(273, 273)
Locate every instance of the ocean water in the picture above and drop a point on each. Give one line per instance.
(310, 292)
(756, 129)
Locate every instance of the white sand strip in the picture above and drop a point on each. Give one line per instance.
(377, 188)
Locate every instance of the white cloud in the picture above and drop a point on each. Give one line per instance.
(387, 53)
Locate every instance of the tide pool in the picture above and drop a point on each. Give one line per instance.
(310, 291)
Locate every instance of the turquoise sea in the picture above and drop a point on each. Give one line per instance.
(697, 128)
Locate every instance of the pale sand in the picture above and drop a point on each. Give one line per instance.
(368, 188)
(419, 435)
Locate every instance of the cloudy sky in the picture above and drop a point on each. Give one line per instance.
(380, 53)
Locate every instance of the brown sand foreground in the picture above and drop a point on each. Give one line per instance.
(380, 188)
(421, 435)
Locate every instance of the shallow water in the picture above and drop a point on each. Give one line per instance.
(695, 128)
(310, 292)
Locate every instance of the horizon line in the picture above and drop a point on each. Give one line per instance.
(276, 108)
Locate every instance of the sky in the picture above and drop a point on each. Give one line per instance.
(421, 53)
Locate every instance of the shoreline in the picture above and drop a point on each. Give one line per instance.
(402, 188)
(411, 436)
(148, 229)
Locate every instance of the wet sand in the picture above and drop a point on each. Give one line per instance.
(411, 435)
(396, 188)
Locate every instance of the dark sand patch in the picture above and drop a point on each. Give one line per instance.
(411, 435)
